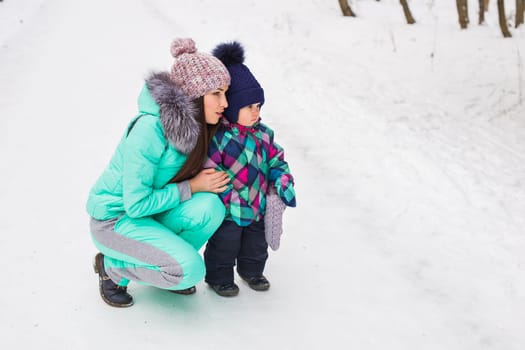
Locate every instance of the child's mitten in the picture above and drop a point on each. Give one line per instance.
(273, 219)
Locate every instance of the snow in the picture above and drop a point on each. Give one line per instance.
(407, 144)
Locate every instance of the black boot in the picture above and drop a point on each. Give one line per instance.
(226, 289)
(110, 292)
(259, 283)
(187, 291)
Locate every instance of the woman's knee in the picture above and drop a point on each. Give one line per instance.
(193, 272)
(203, 210)
(211, 210)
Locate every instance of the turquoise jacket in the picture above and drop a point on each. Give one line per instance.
(150, 153)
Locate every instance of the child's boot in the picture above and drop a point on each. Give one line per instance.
(259, 283)
(226, 289)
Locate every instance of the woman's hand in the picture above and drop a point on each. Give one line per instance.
(209, 180)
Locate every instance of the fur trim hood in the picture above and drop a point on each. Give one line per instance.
(177, 112)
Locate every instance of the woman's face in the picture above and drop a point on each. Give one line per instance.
(249, 115)
(214, 105)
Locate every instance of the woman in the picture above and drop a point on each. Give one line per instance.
(153, 207)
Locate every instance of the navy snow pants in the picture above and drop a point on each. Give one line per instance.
(232, 243)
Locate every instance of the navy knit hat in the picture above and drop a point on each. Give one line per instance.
(244, 89)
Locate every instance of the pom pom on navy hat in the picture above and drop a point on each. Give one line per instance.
(229, 53)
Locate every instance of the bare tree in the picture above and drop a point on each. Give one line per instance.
(462, 13)
(503, 20)
(347, 11)
(482, 9)
(520, 9)
(406, 10)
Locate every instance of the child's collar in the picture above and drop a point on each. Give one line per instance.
(242, 128)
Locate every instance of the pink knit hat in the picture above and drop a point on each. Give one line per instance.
(194, 72)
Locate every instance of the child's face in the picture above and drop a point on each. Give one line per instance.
(214, 104)
(249, 115)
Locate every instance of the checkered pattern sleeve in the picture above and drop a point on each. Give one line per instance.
(280, 175)
(215, 161)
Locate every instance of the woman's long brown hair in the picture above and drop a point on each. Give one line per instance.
(197, 156)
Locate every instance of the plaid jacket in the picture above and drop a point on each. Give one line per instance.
(253, 161)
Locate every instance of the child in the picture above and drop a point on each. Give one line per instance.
(244, 148)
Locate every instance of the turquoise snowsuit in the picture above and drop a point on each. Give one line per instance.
(149, 230)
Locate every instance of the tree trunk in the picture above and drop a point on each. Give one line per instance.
(347, 11)
(503, 19)
(486, 5)
(462, 13)
(482, 9)
(520, 8)
(406, 10)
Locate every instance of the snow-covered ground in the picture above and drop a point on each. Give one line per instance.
(407, 144)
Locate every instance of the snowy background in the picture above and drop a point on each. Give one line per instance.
(407, 144)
